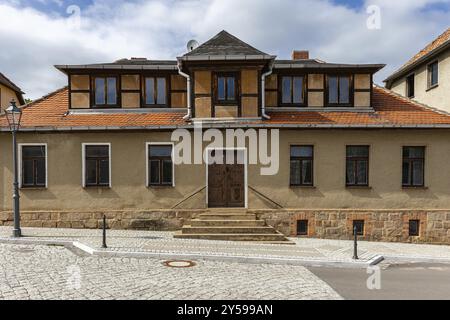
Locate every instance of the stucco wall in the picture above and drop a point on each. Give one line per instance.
(438, 97)
(129, 173)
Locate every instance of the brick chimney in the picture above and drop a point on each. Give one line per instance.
(300, 55)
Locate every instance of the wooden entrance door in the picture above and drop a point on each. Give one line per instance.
(226, 184)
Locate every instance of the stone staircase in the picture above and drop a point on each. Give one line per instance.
(231, 225)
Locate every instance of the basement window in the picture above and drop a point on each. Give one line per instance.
(302, 227)
(359, 224)
(414, 228)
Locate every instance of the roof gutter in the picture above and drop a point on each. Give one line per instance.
(263, 90)
(188, 116)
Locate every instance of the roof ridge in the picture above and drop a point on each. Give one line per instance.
(12, 85)
(414, 102)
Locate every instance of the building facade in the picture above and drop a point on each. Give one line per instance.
(426, 77)
(341, 152)
(9, 91)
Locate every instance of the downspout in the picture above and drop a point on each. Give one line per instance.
(188, 78)
(263, 89)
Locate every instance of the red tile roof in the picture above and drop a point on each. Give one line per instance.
(437, 43)
(390, 110)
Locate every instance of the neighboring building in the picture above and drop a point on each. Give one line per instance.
(426, 77)
(9, 91)
(350, 153)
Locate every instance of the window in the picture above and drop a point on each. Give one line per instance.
(339, 88)
(105, 91)
(293, 90)
(226, 88)
(359, 224)
(433, 74)
(302, 227)
(357, 166)
(414, 228)
(97, 166)
(413, 166)
(410, 86)
(160, 165)
(302, 165)
(34, 166)
(155, 91)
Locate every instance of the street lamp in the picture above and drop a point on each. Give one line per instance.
(14, 115)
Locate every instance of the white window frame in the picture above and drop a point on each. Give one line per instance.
(20, 146)
(147, 169)
(83, 158)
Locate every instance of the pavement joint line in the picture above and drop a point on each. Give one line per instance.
(416, 259)
(192, 256)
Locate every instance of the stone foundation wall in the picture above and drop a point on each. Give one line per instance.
(379, 225)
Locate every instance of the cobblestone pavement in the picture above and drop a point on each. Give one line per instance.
(48, 272)
(155, 242)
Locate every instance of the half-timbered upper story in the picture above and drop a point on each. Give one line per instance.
(224, 78)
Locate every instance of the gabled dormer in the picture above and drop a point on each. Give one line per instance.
(226, 75)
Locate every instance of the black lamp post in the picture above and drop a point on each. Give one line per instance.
(14, 115)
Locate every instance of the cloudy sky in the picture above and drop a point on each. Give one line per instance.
(37, 34)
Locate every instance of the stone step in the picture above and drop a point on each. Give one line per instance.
(267, 238)
(227, 223)
(226, 216)
(227, 230)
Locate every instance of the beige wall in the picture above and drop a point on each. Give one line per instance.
(128, 173)
(438, 97)
(6, 95)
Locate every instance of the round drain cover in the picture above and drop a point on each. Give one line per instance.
(179, 264)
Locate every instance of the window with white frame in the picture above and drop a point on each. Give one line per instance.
(160, 166)
(33, 165)
(96, 165)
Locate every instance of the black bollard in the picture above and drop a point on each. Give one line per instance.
(355, 244)
(104, 232)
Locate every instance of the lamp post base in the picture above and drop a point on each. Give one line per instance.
(17, 233)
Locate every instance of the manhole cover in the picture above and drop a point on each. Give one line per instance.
(179, 264)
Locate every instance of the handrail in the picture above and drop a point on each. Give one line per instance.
(189, 197)
(265, 197)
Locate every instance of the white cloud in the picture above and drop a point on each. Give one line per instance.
(33, 41)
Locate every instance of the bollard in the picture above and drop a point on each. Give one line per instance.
(104, 232)
(355, 244)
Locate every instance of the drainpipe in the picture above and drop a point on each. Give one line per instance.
(188, 78)
(263, 89)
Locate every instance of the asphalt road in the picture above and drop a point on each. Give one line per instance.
(399, 281)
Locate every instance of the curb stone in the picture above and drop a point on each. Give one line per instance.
(195, 256)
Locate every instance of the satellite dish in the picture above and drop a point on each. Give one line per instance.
(192, 45)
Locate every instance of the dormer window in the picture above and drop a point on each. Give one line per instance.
(155, 92)
(293, 88)
(339, 91)
(105, 89)
(226, 88)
